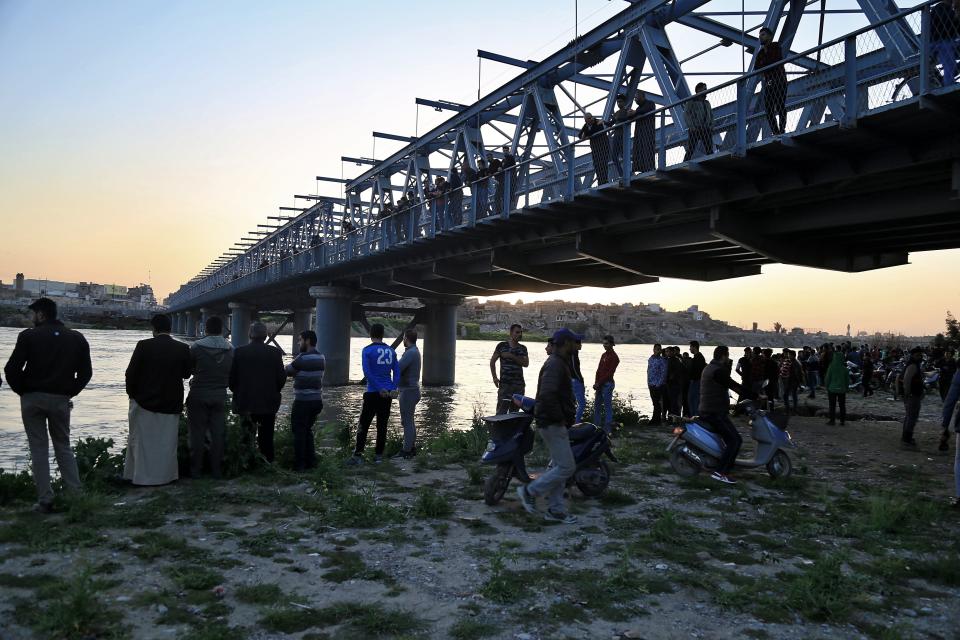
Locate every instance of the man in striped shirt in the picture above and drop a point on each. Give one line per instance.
(307, 371)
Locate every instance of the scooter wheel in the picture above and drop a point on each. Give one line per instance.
(593, 481)
(683, 465)
(496, 485)
(780, 465)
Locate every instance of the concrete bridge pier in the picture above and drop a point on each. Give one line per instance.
(440, 341)
(240, 318)
(180, 323)
(205, 314)
(301, 323)
(191, 321)
(333, 331)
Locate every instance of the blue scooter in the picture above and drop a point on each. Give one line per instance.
(511, 439)
(696, 446)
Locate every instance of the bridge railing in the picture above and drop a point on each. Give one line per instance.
(901, 58)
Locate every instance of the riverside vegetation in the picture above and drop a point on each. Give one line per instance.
(852, 545)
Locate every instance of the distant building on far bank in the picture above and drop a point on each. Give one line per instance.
(80, 293)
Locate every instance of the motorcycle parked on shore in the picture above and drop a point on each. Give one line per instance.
(697, 447)
(511, 439)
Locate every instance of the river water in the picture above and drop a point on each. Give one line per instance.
(101, 410)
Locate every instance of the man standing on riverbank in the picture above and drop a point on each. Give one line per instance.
(604, 385)
(657, 383)
(912, 396)
(256, 378)
(512, 357)
(697, 364)
(579, 387)
(409, 389)
(307, 371)
(49, 365)
(951, 420)
(554, 412)
(211, 358)
(154, 381)
(382, 371)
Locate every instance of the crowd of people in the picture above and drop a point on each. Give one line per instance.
(50, 365)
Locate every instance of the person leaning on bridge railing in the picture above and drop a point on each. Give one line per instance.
(482, 188)
(945, 37)
(494, 167)
(592, 130)
(643, 134)
(699, 115)
(617, 124)
(509, 162)
(774, 82)
(455, 202)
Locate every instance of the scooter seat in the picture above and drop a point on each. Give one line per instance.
(581, 432)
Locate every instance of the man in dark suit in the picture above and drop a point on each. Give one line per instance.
(256, 378)
(154, 380)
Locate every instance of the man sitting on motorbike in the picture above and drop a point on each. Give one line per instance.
(715, 409)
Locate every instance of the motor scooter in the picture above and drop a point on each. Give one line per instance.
(697, 446)
(511, 439)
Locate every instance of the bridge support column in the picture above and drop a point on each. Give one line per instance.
(440, 341)
(333, 331)
(301, 323)
(205, 314)
(240, 317)
(179, 323)
(191, 322)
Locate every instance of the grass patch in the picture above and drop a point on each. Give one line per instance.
(263, 593)
(471, 629)
(359, 621)
(76, 612)
(194, 578)
(363, 510)
(431, 504)
(616, 498)
(349, 565)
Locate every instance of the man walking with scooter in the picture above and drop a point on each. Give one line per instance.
(554, 413)
(715, 409)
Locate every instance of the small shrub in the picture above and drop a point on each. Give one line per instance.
(363, 510)
(503, 585)
(261, 593)
(431, 504)
(96, 465)
(16, 487)
(470, 629)
(194, 578)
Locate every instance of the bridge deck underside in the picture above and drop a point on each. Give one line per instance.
(847, 199)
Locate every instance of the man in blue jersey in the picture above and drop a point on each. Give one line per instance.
(307, 371)
(382, 371)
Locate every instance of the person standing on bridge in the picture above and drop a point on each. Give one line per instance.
(454, 217)
(154, 382)
(382, 371)
(592, 130)
(409, 390)
(307, 371)
(618, 128)
(509, 175)
(210, 360)
(699, 115)
(657, 383)
(774, 81)
(945, 37)
(49, 365)
(643, 137)
(513, 358)
(482, 189)
(256, 377)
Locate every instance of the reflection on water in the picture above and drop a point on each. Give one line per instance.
(101, 410)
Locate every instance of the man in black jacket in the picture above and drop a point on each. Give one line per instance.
(715, 409)
(154, 380)
(554, 413)
(256, 378)
(697, 364)
(49, 365)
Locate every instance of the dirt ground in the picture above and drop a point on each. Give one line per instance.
(858, 543)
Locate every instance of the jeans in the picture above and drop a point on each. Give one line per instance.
(693, 397)
(409, 397)
(579, 392)
(262, 425)
(789, 391)
(911, 406)
(302, 415)
(505, 395)
(373, 405)
(813, 381)
(730, 436)
(205, 416)
(841, 399)
(553, 481)
(657, 398)
(946, 54)
(42, 412)
(674, 392)
(956, 465)
(603, 406)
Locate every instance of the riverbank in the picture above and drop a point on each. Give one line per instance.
(857, 544)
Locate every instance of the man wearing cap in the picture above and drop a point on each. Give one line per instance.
(912, 396)
(512, 357)
(49, 365)
(154, 382)
(256, 377)
(553, 414)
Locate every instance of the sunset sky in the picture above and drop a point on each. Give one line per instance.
(140, 139)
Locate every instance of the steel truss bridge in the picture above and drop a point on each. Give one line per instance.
(866, 171)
